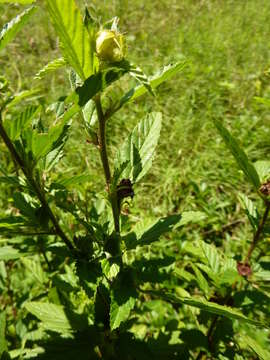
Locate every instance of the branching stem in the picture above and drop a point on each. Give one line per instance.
(41, 196)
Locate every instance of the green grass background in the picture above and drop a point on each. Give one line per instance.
(226, 45)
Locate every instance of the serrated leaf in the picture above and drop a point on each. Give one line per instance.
(10, 30)
(151, 233)
(212, 256)
(44, 143)
(53, 317)
(250, 210)
(191, 217)
(23, 203)
(122, 302)
(74, 37)
(98, 82)
(200, 279)
(74, 180)
(263, 169)
(209, 306)
(140, 76)
(239, 155)
(164, 75)
(15, 127)
(139, 148)
(254, 346)
(27, 94)
(50, 67)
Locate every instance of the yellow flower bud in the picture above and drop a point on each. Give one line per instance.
(110, 46)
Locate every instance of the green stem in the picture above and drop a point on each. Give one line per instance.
(41, 196)
(105, 164)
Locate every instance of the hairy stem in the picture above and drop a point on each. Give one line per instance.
(258, 233)
(105, 164)
(41, 196)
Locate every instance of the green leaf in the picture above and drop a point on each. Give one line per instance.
(53, 317)
(139, 75)
(98, 82)
(74, 180)
(209, 306)
(74, 37)
(3, 342)
(15, 127)
(10, 30)
(191, 217)
(254, 346)
(27, 94)
(23, 203)
(120, 312)
(164, 75)
(123, 298)
(139, 148)
(44, 143)
(239, 155)
(212, 256)
(201, 281)
(9, 253)
(151, 233)
(50, 67)
(263, 169)
(250, 210)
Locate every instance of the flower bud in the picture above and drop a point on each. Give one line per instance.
(110, 46)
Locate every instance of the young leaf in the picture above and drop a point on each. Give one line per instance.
(53, 316)
(123, 298)
(139, 148)
(139, 75)
(263, 169)
(74, 37)
(250, 210)
(22, 202)
(152, 233)
(27, 94)
(10, 30)
(14, 127)
(201, 281)
(191, 217)
(50, 67)
(164, 75)
(98, 82)
(239, 155)
(120, 311)
(44, 143)
(211, 255)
